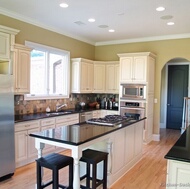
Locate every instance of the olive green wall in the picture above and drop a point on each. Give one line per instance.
(165, 51)
(39, 35)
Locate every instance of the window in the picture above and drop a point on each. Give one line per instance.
(49, 72)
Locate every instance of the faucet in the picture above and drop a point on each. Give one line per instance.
(58, 107)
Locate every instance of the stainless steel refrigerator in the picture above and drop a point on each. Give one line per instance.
(7, 141)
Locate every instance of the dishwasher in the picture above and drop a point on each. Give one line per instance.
(84, 116)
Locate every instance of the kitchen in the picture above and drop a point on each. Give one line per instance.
(165, 50)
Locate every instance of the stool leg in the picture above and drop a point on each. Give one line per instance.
(71, 176)
(39, 176)
(55, 177)
(88, 175)
(94, 176)
(105, 174)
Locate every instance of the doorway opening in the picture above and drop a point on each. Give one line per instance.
(174, 87)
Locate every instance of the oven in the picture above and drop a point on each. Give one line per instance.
(133, 91)
(133, 109)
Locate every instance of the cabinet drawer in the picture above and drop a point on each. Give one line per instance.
(26, 125)
(49, 121)
(67, 118)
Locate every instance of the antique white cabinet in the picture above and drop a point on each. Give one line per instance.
(82, 75)
(112, 77)
(178, 174)
(25, 151)
(136, 67)
(4, 46)
(21, 69)
(99, 77)
(7, 39)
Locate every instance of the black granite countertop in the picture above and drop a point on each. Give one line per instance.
(181, 149)
(35, 116)
(80, 133)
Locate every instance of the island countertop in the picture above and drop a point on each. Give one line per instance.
(181, 149)
(80, 133)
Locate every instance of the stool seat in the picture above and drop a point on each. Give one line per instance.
(93, 157)
(54, 162)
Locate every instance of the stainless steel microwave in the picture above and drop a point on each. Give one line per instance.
(134, 91)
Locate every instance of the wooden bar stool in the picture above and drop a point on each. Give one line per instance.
(54, 162)
(93, 157)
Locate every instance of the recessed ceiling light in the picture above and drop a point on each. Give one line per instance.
(160, 8)
(64, 5)
(170, 23)
(91, 20)
(111, 30)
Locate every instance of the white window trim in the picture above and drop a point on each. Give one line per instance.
(42, 97)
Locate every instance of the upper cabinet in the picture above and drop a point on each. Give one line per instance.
(94, 76)
(7, 40)
(136, 67)
(112, 77)
(21, 69)
(4, 45)
(99, 77)
(82, 75)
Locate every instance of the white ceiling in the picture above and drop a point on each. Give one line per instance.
(132, 20)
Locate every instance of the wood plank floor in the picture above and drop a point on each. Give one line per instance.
(149, 173)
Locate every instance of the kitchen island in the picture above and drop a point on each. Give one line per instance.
(178, 163)
(123, 142)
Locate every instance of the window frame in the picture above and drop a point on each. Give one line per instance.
(41, 47)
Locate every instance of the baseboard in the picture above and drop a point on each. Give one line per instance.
(156, 137)
(162, 125)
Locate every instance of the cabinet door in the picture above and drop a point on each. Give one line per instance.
(110, 78)
(116, 78)
(4, 46)
(90, 77)
(99, 78)
(126, 69)
(32, 151)
(178, 173)
(20, 146)
(86, 77)
(75, 77)
(119, 153)
(139, 69)
(129, 143)
(138, 138)
(22, 71)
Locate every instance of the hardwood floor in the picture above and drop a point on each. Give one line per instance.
(149, 173)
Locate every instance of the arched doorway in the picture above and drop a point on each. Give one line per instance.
(169, 88)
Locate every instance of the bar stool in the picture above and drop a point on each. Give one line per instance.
(93, 157)
(54, 162)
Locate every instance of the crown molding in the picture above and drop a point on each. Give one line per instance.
(145, 39)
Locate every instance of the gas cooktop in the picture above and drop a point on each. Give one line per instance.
(109, 120)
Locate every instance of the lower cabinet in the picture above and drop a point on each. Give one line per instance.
(127, 146)
(178, 174)
(25, 151)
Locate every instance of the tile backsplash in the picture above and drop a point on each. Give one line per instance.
(36, 106)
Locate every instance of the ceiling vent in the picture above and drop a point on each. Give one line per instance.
(79, 23)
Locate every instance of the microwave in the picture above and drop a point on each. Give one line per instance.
(133, 91)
